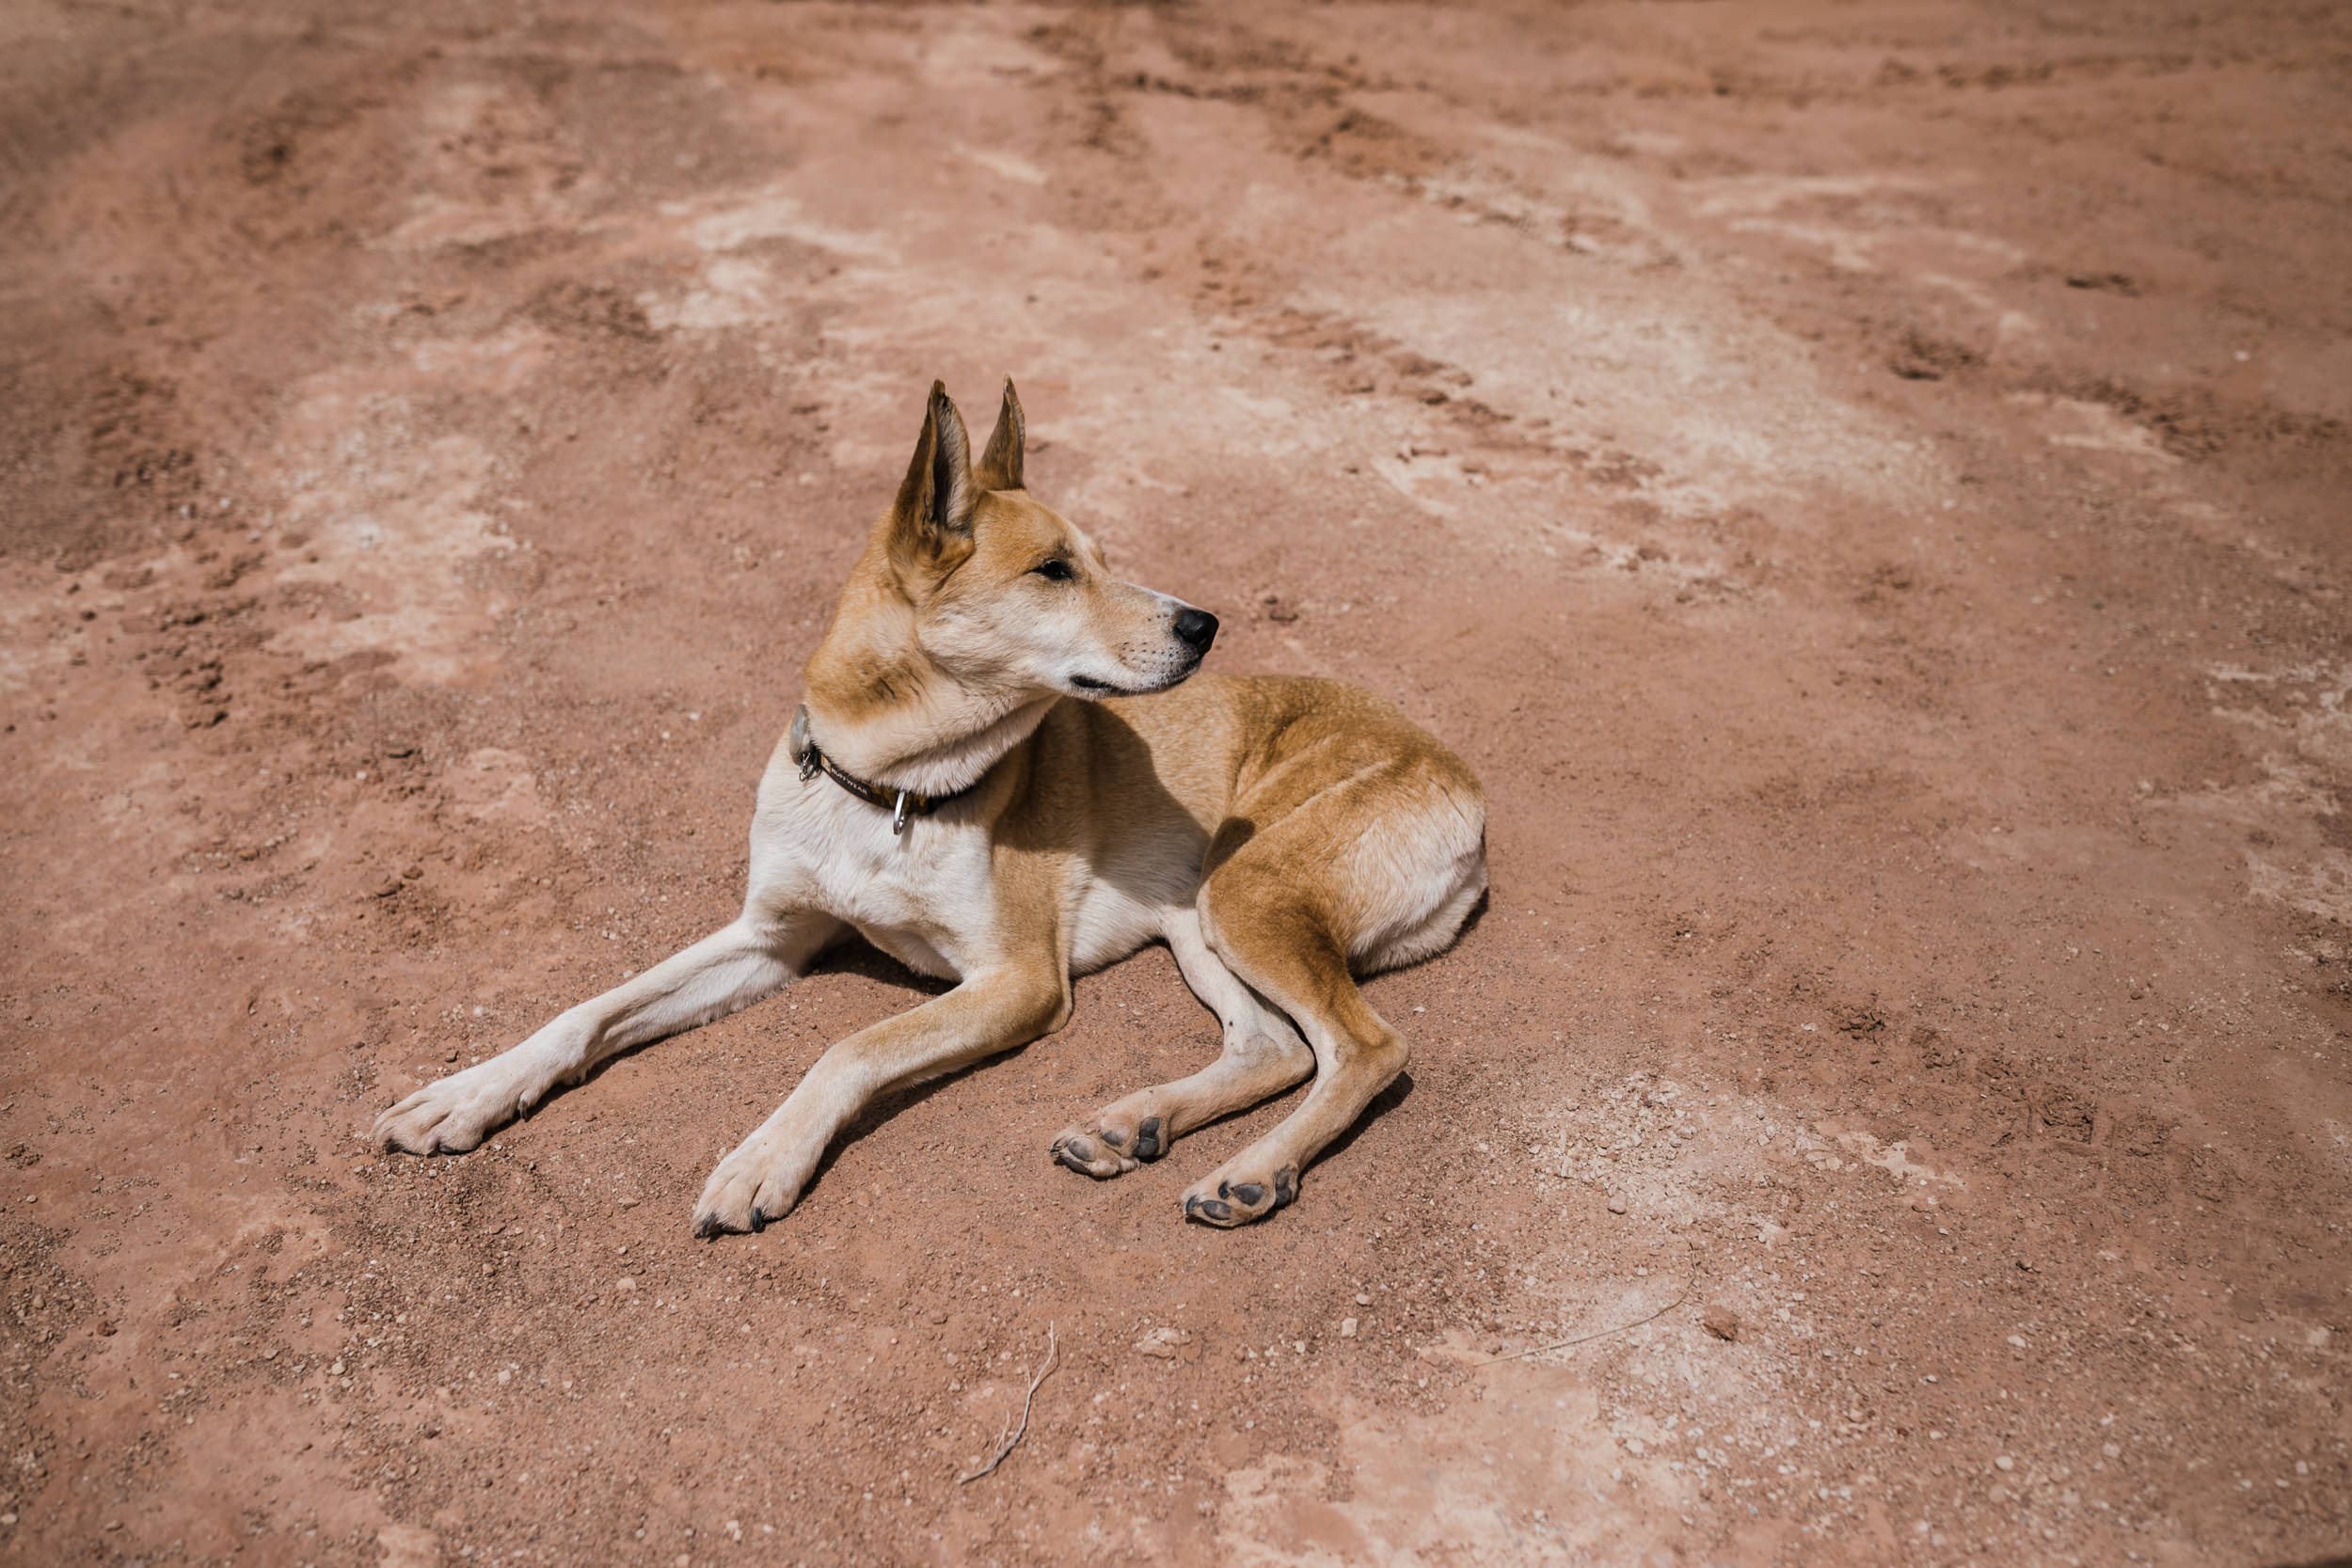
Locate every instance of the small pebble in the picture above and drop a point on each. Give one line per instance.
(1616, 1206)
(1722, 1321)
(1347, 1328)
(2005, 1462)
(624, 1283)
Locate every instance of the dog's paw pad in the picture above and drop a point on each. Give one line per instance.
(1114, 1140)
(1149, 1144)
(1093, 1151)
(1221, 1201)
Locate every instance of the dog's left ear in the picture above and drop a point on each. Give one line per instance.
(1000, 464)
(930, 528)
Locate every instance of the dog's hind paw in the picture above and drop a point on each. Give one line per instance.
(1226, 1197)
(1103, 1148)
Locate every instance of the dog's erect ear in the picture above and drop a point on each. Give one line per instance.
(931, 525)
(1000, 464)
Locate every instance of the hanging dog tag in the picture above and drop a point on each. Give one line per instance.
(899, 816)
(803, 750)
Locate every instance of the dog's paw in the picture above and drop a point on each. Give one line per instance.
(760, 1181)
(1236, 1193)
(1110, 1144)
(457, 1113)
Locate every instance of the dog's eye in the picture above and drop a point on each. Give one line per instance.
(1056, 570)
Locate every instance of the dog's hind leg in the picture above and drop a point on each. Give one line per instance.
(1283, 948)
(1373, 867)
(1263, 1056)
(727, 969)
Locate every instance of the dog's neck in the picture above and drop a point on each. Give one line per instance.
(934, 749)
(883, 711)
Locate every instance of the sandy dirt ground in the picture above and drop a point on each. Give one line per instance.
(1863, 483)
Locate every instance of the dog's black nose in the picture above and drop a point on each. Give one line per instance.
(1198, 627)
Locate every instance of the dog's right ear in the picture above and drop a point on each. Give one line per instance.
(930, 527)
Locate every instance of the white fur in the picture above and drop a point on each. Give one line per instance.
(925, 897)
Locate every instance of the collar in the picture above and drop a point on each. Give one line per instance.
(903, 804)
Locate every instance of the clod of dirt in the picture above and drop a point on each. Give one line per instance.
(1722, 1321)
(1925, 358)
(2112, 283)
(1162, 1343)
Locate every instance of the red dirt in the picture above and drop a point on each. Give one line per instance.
(1863, 484)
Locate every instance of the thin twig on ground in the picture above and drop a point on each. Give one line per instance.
(1687, 1283)
(1053, 1355)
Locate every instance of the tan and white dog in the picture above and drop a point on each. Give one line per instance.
(1000, 777)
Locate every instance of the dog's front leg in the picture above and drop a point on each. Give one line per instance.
(992, 1011)
(729, 969)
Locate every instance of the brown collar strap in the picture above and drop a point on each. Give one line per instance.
(903, 804)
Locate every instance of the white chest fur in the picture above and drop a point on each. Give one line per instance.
(925, 897)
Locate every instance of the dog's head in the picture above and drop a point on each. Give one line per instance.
(1008, 596)
(973, 609)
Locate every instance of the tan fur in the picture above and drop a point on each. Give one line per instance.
(1281, 835)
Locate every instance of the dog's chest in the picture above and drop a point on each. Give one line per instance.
(925, 897)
